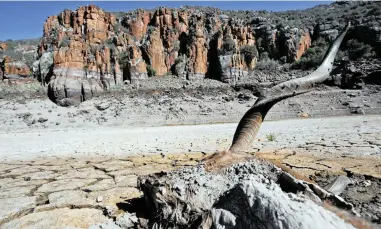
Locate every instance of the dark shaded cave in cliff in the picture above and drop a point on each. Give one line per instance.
(214, 69)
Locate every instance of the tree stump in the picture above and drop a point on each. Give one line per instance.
(253, 194)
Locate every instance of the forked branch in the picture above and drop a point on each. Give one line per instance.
(250, 123)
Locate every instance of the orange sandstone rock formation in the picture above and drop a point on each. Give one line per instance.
(91, 45)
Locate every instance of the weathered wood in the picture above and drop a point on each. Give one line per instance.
(244, 195)
(250, 123)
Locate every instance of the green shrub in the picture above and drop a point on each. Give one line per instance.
(95, 48)
(13, 54)
(271, 137)
(268, 64)
(150, 29)
(150, 71)
(11, 44)
(125, 30)
(123, 59)
(314, 55)
(117, 26)
(176, 46)
(178, 60)
(110, 44)
(357, 49)
(250, 52)
(65, 42)
(228, 46)
(29, 59)
(264, 56)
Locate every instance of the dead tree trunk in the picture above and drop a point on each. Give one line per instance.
(250, 123)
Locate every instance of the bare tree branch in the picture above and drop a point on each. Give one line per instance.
(250, 123)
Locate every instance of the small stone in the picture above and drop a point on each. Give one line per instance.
(42, 120)
(127, 220)
(102, 106)
(367, 183)
(100, 199)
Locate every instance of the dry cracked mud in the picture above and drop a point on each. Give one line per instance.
(80, 190)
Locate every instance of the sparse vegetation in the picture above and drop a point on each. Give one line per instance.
(116, 87)
(125, 30)
(150, 29)
(150, 71)
(29, 59)
(268, 64)
(110, 44)
(312, 58)
(250, 52)
(357, 49)
(176, 46)
(21, 50)
(117, 27)
(95, 48)
(271, 137)
(353, 49)
(228, 46)
(123, 59)
(179, 59)
(24, 89)
(64, 43)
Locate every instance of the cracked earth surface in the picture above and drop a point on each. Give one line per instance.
(76, 190)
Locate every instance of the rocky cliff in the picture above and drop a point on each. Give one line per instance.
(13, 69)
(89, 50)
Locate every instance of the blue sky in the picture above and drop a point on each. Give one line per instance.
(22, 20)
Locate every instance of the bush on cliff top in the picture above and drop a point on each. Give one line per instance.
(123, 59)
(228, 46)
(250, 52)
(352, 49)
(65, 42)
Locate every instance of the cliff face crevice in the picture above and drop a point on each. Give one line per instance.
(90, 45)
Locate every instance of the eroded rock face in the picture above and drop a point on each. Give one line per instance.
(12, 69)
(234, 67)
(42, 68)
(3, 46)
(296, 42)
(136, 69)
(155, 52)
(81, 59)
(90, 46)
(86, 46)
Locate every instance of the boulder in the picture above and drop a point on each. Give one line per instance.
(14, 69)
